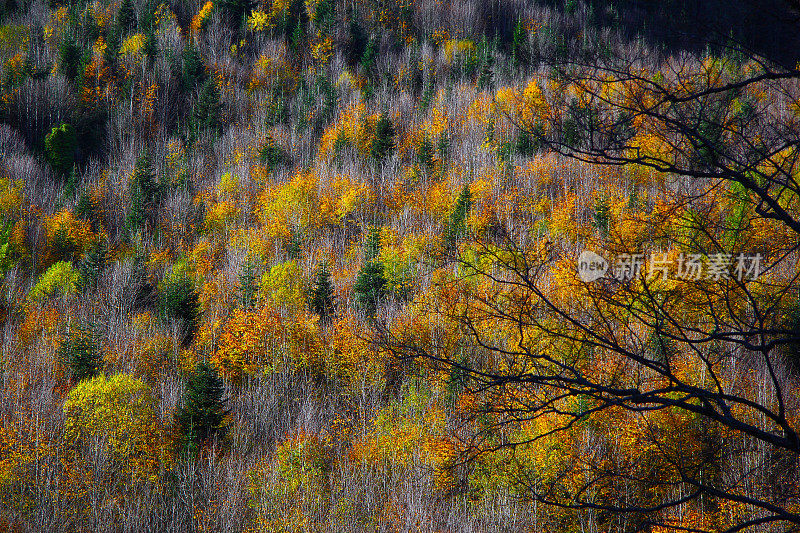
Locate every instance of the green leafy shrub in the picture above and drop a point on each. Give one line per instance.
(59, 148)
(60, 278)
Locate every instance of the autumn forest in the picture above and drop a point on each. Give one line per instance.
(399, 266)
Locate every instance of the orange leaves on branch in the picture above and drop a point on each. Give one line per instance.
(68, 237)
(309, 204)
(264, 341)
(200, 21)
(274, 70)
(408, 435)
(523, 109)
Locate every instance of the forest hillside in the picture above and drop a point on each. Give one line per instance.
(399, 265)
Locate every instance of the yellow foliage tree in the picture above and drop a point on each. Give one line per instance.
(113, 419)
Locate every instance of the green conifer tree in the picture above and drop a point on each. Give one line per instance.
(322, 297)
(80, 352)
(372, 243)
(91, 265)
(111, 52)
(383, 143)
(425, 153)
(248, 287)
(235, 11)
(602, 216)
(193, 70)
(519, 44)
(70, 57)
(370, 285)
(207, 112)
(178, 300)
(126, 17)
(144, 192)
(202, 417)
(147, 25)
(356, 41)
(456, 224)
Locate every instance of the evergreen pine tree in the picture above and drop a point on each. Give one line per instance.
(147, 24)
(70, 57)
(272, 154)
(80, 352)
(248, 287)
(298, 37)
(111, 52)
(356, 42)
(443, 146)
(602, 216)
(203, 415)
(235, 11)
(180, 301)
(139, 291)
(194, 71)
(427, 95)
(126, 17)
(206, 115)
(322, 297)
(72, 182)
(91, 265)
(519, 43)
(370, 285)
(383, 143)
(144, 192)
(324, 15)
(369, 57)
(456, 224)
(372, 243)
(425, 153)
